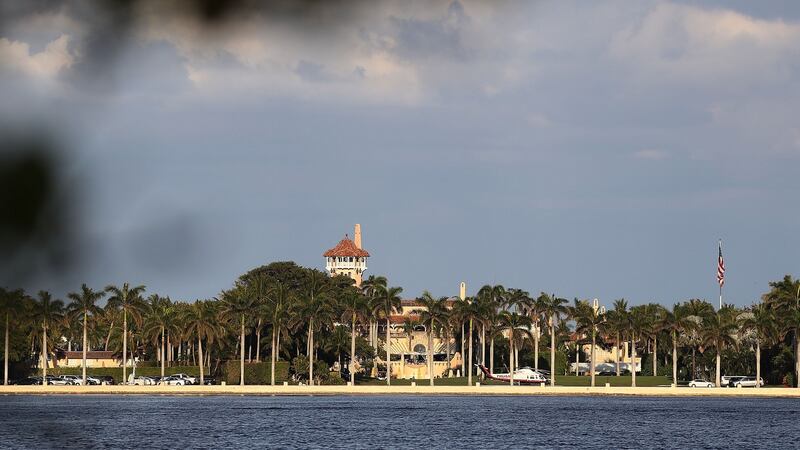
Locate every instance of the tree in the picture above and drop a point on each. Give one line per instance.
(784, 295)
(587, 320)
(390, 301)
(553, 308)
(201, 322)
(316, 308)
(467, 311)
(762, 323)
(355, 309)
(435, 313)
(160, 320)
(638, 324)
(698, 311)
(517, 325)
(675, 322)
(83, 304)
(236, 305)
(129, 301)
(617, 324)
(371, 288)
(718, 332)
(11, 303)
(278, 306)
(48, 313)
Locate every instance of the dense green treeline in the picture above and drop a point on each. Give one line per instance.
(302, 323)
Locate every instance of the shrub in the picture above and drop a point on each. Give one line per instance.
(256, 373)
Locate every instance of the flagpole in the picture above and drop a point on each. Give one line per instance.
(721, 282)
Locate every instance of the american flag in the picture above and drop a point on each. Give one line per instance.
(720, 267)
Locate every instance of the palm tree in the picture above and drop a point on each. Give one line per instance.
(355, 309)
(84, 304)
(761, 321)
(617, 324)
(435, 313)
(48, 312)
(371, 288)
(587, 320)
(237, 304)
(718, 332)
(638, 324)
(11, 303)
(516, 324)
(278, 305)
(201, 321)
(390, 301)
(160, 320)
(698, 311)
(785, 296)
(316, 308)
(467, 312)
(488, 299)
(675, 322)
(553, 307)
(129, 300)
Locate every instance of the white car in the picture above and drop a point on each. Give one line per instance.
(748, 382)
(701, 383)
(72, 379)
(143, 381)
(187, 378)
(174, 381)
(726, 379)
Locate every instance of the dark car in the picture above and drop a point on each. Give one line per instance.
(733, 380)
(208, 381)
(606, 374)
(106, 379)
(29, 381)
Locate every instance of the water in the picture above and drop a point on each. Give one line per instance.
(396, 422)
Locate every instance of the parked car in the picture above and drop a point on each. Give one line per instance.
(749, 382)
(726, 379)
(72, 379)
(93, 381)
(106, 379)
(174, 381)
(143, 381)
(733, 380)
(189, 380)
(209, 381)
(28, 381)
(57, 381)
(701, 383)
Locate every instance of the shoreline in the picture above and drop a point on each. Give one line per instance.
(294, 390)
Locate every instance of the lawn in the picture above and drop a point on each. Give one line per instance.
(562, 380)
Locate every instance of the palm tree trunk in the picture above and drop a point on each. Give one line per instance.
(591, 365)
(388, 359)
(258, 341)
(272, 355)
(200, 349)
(85, 338)
(491, 356)
(694, 363)
(510, 358)
(310, 352)
(536, 349)
(108, 336)
(655, 356)
(163, 350)
(353, 352)
(469, 364)
(447, 346)
(633, 360)
(675, 357)
(719, 363)
(44, 354)
(553, 351)
(5, 354)
(241, 359)
(463, 353)
(797, 357)
(758, 363)
(483, 345)
(124, 345)
(430, 355)
(616, 355)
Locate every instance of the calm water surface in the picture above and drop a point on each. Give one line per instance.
(396, 422)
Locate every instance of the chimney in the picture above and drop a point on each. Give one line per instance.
(462, 291)
(357, 235)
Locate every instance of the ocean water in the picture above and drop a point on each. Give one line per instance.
(396, 422)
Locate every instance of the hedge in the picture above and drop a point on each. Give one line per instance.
(256, 373)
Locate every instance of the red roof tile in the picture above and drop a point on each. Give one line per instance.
(346, 247)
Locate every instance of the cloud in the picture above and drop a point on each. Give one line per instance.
(45, 64)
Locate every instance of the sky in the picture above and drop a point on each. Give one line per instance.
(588, 149)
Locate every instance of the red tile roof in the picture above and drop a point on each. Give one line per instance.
(346, 247)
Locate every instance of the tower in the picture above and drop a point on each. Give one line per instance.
(347, 257)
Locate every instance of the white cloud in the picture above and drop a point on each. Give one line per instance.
(45, 64)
